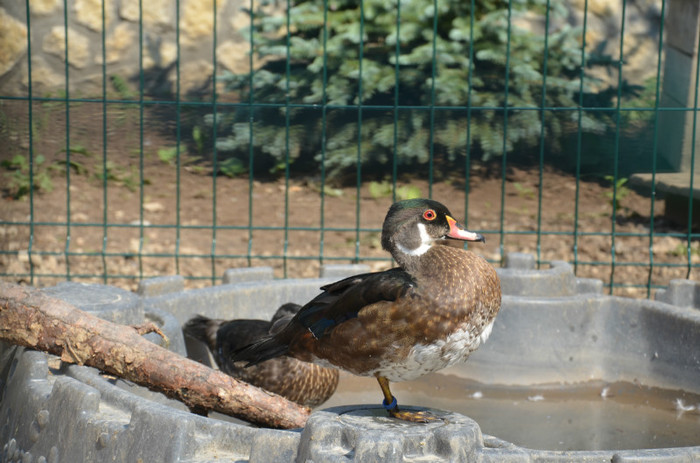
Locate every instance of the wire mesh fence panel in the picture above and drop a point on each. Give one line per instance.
(142, 139)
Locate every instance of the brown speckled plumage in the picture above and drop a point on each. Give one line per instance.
(430, 312)
(305, 383)
(466, 295)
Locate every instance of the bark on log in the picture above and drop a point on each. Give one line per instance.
(32, 319)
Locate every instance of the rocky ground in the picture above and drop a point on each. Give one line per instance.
(150, 251)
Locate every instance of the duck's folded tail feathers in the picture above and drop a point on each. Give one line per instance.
(265, 349)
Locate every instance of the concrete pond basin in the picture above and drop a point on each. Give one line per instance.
(568, 374)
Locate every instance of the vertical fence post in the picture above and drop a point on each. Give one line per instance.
(677, 120)
(681, 50)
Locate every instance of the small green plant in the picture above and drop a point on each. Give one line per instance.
(380, 189)
(407, 192)
(78, 149)
(523, 191)
(107, 172)
(619, 193)
(57, 99)
(78, 167)
(327, 190)
(21, 182)
(121, 86)
(384, 189)
(232, 167)
(198, 137)
(130, 179)
(681, 250)
(167, 155)
(199, 170)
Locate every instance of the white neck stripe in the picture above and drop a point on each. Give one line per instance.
(426, 243)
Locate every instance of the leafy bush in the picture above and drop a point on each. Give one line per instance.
(398, 89)
(20, 182)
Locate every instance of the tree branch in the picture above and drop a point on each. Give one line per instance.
(30, 318)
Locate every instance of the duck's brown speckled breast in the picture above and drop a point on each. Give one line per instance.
(456, 298)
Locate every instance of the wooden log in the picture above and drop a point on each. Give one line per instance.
(30, 318)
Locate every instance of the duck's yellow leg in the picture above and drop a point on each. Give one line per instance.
(392, 407)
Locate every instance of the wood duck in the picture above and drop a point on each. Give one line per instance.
(432, 311)
(302, 382)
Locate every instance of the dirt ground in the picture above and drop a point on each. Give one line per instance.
(125, 251)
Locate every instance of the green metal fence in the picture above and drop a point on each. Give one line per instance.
(124, 166)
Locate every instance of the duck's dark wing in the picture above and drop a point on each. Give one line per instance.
(224, 337)
(236, 334)
(339, 301)
(343, 300)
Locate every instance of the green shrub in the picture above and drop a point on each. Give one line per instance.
(20, 181)
(380, 103)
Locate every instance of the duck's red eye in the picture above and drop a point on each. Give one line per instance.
(429, 214)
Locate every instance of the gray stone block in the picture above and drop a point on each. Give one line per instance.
(240, 275)
(161, 285)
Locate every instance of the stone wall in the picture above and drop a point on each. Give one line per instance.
(641, 41)
(121, 42)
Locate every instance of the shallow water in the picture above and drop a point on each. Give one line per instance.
(583, 416)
